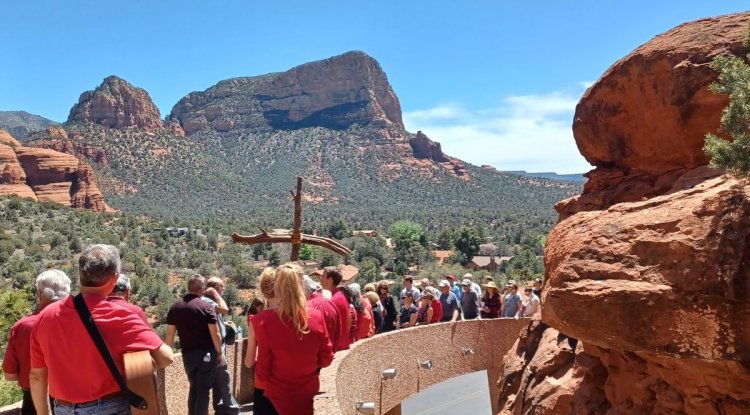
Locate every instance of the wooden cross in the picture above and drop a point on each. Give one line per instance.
(295, 236)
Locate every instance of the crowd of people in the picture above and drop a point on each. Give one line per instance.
(295, 326)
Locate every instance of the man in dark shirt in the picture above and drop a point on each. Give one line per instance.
(195, 320)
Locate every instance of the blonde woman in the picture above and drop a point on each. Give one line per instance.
(261, 404)
(293, 345)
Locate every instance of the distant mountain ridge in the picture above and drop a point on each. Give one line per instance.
(21, 123)
(233, 151)
(575, 177)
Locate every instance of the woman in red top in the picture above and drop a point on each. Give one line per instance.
(261, 404)
(293, 345)
(354, 301)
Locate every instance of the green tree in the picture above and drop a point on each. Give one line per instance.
(406, 234)
(305, 252)
(467, 243)
(733, 80)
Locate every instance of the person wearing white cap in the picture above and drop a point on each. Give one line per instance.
(449, 302)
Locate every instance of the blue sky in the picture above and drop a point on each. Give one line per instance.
(495, 82)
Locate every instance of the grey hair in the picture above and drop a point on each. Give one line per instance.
(52, 285)
(122, 285)
(356, 288)
(98, 264)
(310, 284)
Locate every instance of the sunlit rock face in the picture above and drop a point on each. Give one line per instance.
(647, 291)
(47, 175)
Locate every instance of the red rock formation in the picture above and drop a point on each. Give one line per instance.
(650, 267)
(649, 113)
(12, 176)
(56, 138)
(117, 104)
(47, 175)
(333, 93)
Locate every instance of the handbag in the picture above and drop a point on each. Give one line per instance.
(135, 400)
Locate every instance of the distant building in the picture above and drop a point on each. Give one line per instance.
(487, 263)
(441, 255)
(177, 232)
(349, 272)
(366, 232)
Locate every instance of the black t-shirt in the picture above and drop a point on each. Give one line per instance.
(191, 316)
(406, 314)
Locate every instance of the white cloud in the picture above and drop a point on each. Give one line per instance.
(586, 84)
(528, 132)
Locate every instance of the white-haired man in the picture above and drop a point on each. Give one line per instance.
(64, 359)
(474, 286)
(121, 295)
(51, 286)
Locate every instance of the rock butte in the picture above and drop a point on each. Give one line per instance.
(47, 176)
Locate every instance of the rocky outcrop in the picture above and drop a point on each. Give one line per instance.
(649, 268)
(659, 292)
(334, 93)
(549, 373)
(424, 148)
(47, 175)
(56, 138)
(649, 113)
(117, 104)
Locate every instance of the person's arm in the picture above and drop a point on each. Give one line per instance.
(221, 305)
(519, 304)
(162, 356)
(429, 316)
(213, 329)
(252, 347)
(412, 320)
(39, 391)
(455, 314)
(10, 376)
(171, 330)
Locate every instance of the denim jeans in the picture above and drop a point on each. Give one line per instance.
(117, 406)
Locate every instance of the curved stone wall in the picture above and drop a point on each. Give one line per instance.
(355, 375)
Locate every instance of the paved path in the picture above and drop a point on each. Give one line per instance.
(467, 394)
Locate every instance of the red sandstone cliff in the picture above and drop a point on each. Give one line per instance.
(647, 290)
(117, 104)
(47, 175)
(333, 93)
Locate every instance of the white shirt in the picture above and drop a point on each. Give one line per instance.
(533, 306)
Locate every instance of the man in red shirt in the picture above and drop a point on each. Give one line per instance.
(64, 360)
(51, 286)
(316, 300)
(121, 295)
(330, 280)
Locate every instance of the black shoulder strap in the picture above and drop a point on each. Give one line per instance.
(134, 399)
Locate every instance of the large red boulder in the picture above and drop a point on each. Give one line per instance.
(652, 109)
